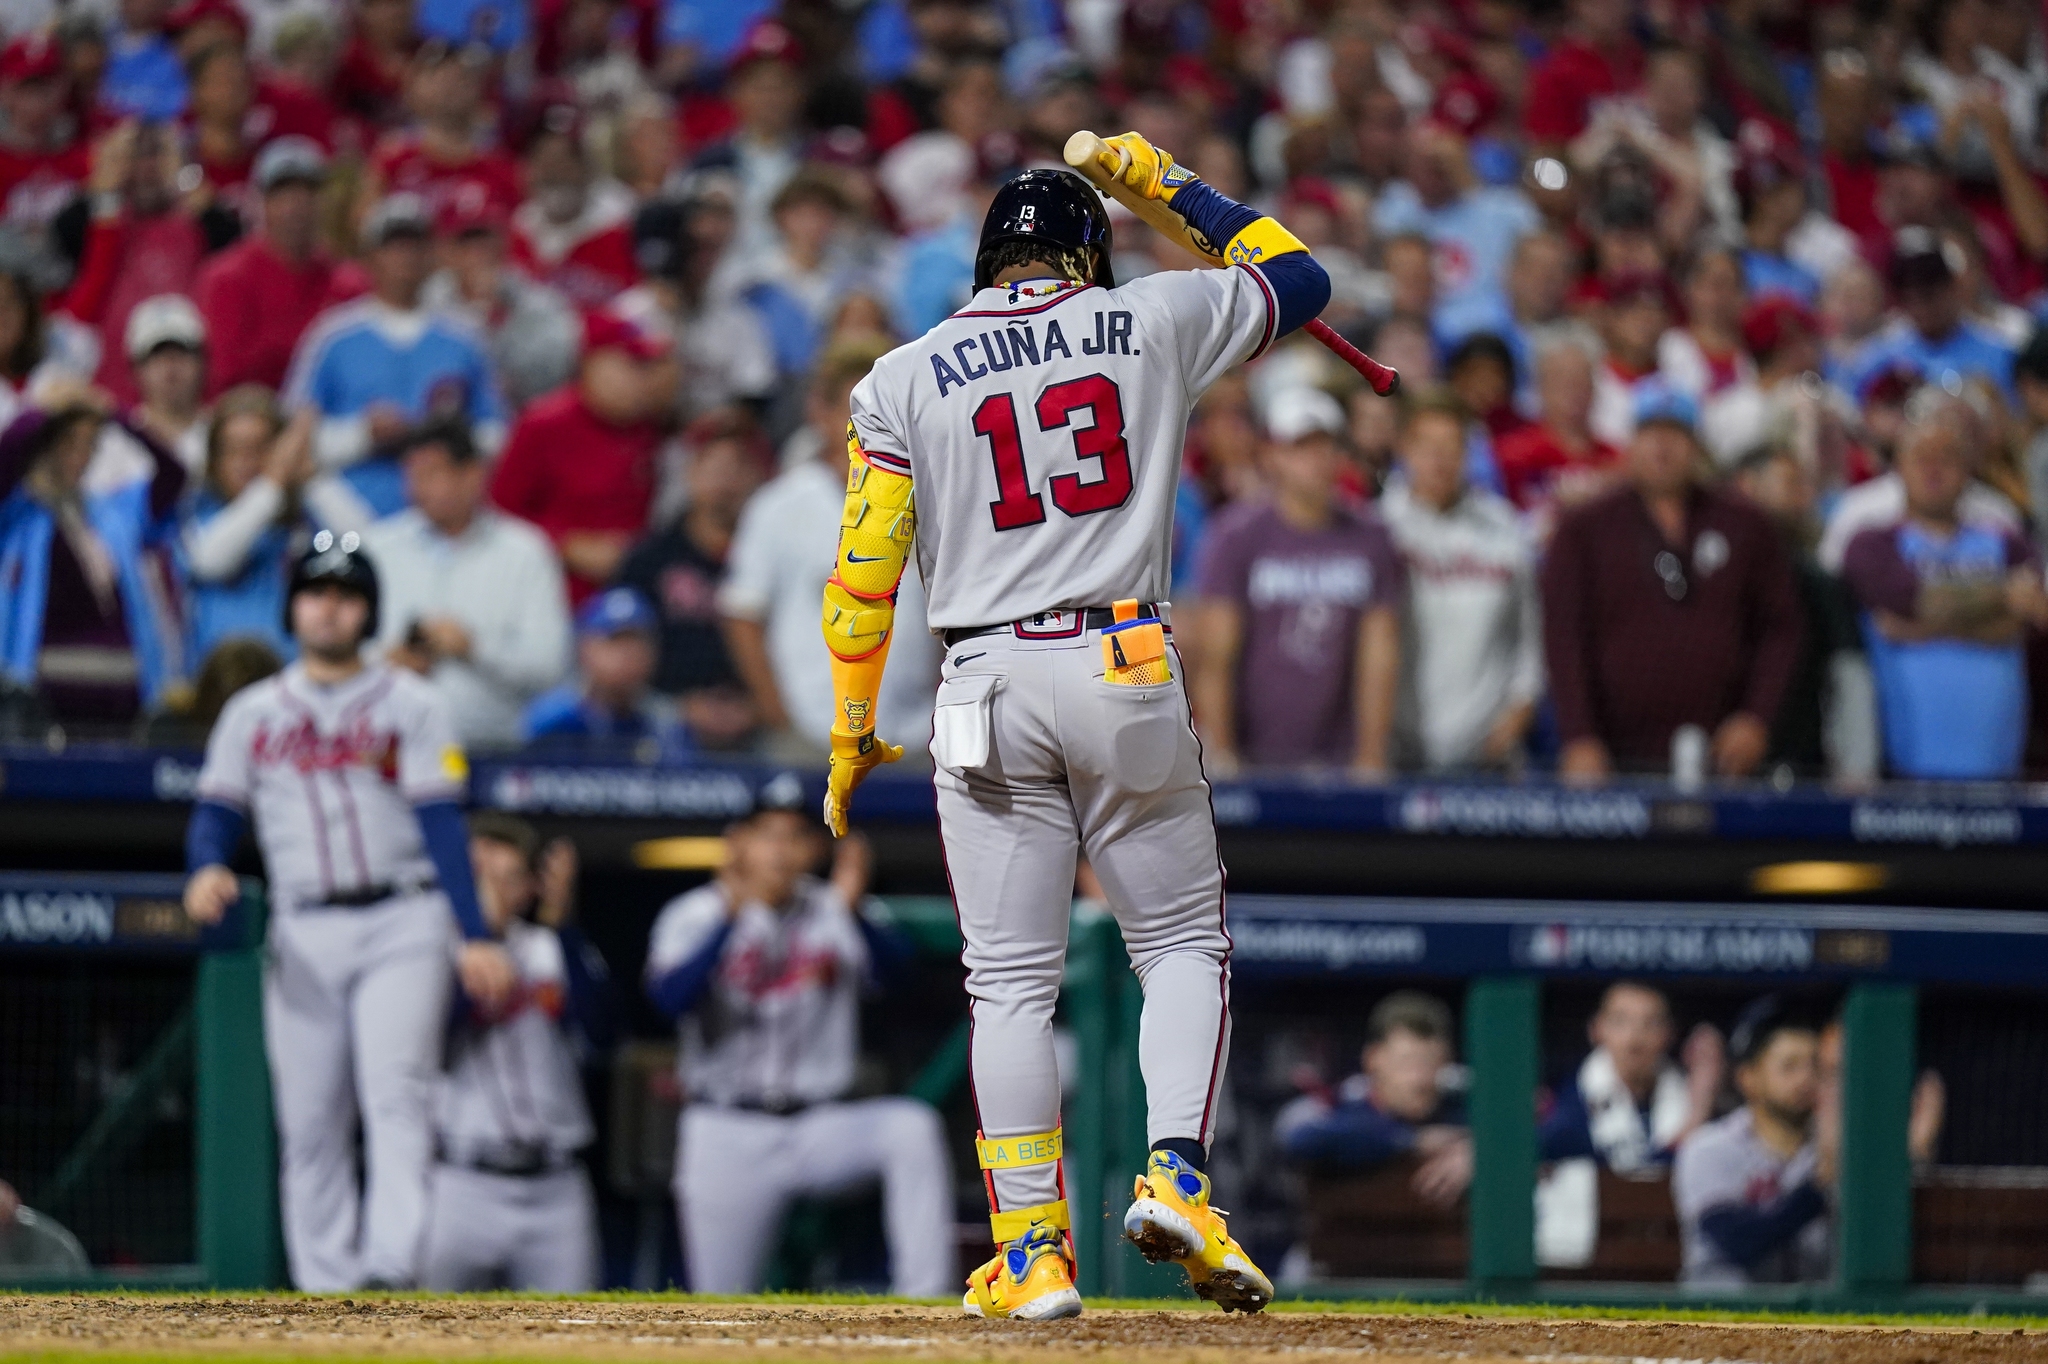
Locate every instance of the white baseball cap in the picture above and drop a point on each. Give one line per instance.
(164, 320)
(397, 215)
(1295, 413)
(291, 158)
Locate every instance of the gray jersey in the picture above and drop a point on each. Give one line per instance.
(1726, 1165)
(511, 1088)
(1044, 434)
(781, 1020)
(331, 775)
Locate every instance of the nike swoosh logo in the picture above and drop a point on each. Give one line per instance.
(969, 658)
(853, 558)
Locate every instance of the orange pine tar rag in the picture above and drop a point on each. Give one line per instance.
(1134, 649)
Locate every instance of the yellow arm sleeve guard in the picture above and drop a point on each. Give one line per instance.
(1261, 240)
(876, 531)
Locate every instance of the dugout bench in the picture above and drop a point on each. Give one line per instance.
(1973, 1226)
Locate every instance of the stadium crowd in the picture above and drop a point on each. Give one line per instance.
(1723, 452)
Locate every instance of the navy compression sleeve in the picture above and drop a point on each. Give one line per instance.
(447, 840)
(1355, 1134)
(890, 951)
(676, 991)
(1566, 1132)
(1745, 1234)
(1211, 213)
(212, 835)
(1301, 287)
(593, 1002)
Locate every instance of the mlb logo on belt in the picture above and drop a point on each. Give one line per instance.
(1058, 624)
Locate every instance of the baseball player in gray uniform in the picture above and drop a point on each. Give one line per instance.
(511, 1204)
(1028, 449)
(764, 968)
(1753, 1188)
(353, 773)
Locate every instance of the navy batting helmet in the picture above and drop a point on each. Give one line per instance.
(336, 559)
(1055, 206)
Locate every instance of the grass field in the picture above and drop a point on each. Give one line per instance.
(174, 1328)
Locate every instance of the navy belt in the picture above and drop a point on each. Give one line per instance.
(520, 1160)
(778, 1107)
(362, 897)
(1091, 618)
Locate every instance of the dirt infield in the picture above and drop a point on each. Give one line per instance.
(407, 1329)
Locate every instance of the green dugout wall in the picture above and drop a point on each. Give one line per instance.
(206, 1060)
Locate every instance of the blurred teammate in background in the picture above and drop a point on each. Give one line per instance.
(1626, 1107)
(1395, 1106)
(763, 969)
(511, 1205)
(353, 773)
(1754, 1189)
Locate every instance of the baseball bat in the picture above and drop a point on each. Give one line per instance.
(1096, 160)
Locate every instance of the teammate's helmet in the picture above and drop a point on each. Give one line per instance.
(1055, 206)
(337, 559)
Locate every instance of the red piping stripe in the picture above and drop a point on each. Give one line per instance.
(1272, 310)
(1222, 923)
(355, 832)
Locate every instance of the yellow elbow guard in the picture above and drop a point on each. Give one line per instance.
(855, 626)
(876, 530)
(1263, 240)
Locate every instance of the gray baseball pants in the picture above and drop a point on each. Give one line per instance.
(1073, 765)
(532, 1232)
(737, 1173)
(355, 1004)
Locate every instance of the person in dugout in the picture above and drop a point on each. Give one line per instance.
(763, 970)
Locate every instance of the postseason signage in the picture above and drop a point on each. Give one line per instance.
(140, 913)
(618, 786)
(1296, 936)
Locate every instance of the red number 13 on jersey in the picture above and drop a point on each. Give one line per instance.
(1103, 440)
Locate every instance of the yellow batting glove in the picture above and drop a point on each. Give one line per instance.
(1147, 169)
(853, 757)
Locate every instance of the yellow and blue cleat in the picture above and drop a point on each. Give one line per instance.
(1170, 1220)
(1031, 1279)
